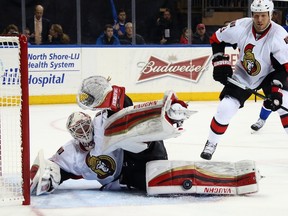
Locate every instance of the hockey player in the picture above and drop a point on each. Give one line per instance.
(263, 63)
(265, 112)
(115, 147)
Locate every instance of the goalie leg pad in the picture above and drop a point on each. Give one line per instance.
(187, 177)
(44, 175)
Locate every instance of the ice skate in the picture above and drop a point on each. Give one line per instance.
(258, 125)
(208, 150)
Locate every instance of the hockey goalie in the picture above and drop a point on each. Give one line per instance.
(123, 146)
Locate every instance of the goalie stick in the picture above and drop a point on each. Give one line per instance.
(240, 85)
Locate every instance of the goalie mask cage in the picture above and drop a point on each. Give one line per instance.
(14, 122)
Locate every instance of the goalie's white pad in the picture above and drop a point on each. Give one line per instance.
(187, 177)
(44, 175)
(131, 127)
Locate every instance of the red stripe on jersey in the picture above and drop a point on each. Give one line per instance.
(214, 39)
(284, 120)
(286, 67)
(217, 128)
(127, 122)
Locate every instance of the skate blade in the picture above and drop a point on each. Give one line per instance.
(254, 131)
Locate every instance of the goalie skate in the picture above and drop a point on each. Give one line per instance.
(187, 177)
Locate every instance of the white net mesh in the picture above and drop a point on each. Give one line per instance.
(10, 122)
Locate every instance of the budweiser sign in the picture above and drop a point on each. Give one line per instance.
(189, 70)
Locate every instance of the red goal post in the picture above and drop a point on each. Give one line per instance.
(14, 121)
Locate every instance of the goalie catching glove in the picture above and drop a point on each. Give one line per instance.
(97, 93)
(222, 68)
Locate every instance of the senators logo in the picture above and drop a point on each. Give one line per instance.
(189, 70)
(249, 62)
(102, 165)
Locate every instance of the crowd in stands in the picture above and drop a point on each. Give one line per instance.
(40, 30)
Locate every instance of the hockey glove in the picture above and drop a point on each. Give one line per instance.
(222, 68)
(274, 102)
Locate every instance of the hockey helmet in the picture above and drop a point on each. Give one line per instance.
(262, 6)
(93, 92)
(80, 126)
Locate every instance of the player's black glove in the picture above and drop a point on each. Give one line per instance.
(222, 68)
(274, 101)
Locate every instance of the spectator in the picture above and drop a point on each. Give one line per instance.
(38, 26)
(11, 30)
(276, 16)
(167, 29)
(200, 36)
(127, 37)
(57, 36)
(119, 27)
(186, 33)
(27, 34)
(108, 38)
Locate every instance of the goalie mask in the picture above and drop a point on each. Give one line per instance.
(80, 127)
(97, 93)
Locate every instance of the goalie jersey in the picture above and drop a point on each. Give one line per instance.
(93, 165)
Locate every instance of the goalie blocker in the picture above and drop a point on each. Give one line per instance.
(187, 177)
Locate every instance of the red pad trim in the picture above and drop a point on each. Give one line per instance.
(217, 128)
(127, 122)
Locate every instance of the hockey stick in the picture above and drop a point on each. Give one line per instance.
(240, 85)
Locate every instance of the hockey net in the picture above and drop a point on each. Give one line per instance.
(14, 121)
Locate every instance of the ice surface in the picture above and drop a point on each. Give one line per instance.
(268, 147)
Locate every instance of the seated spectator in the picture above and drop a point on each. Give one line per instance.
(57, 36)
(119, 27)
(186, 33)
(200, 36)
(107, 38)
(167, 29)
(11, 30)
(127, 37)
